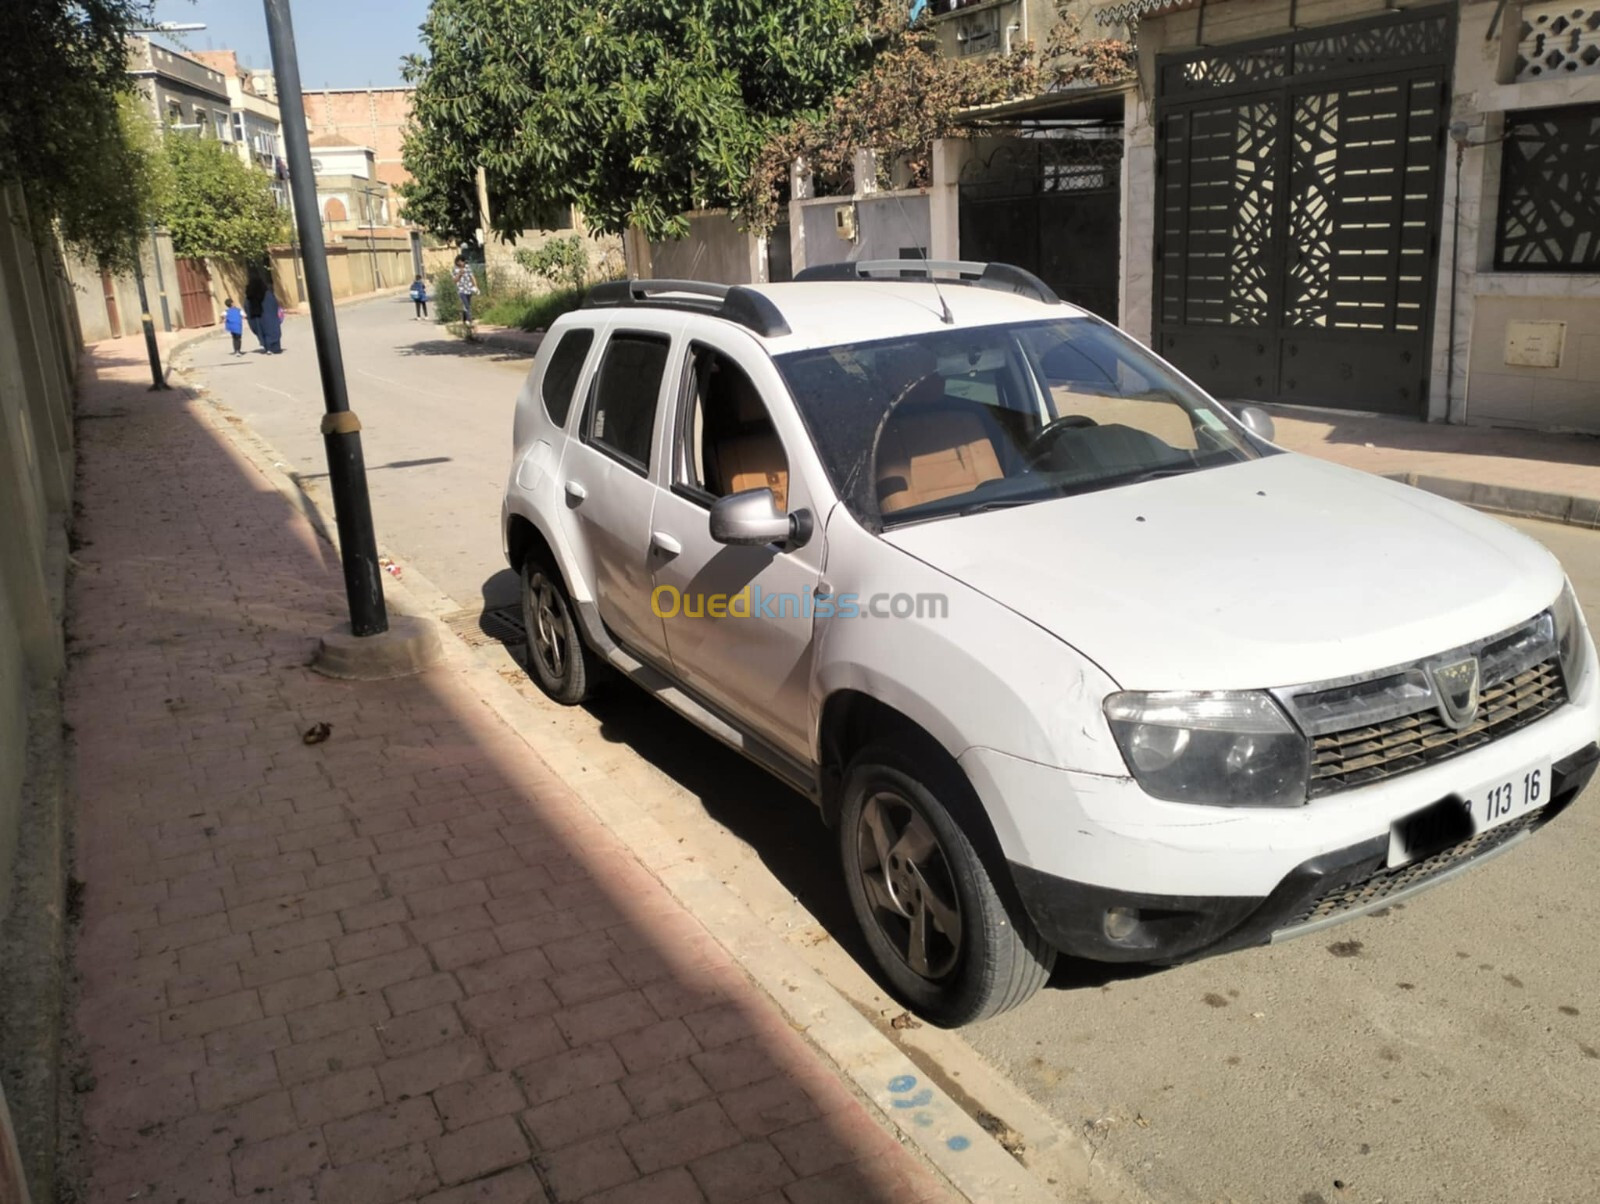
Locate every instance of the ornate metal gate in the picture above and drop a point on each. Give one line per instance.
(1298, 186)
(1053, 206)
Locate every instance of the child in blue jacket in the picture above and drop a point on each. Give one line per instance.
(233, 321)
(419, 297)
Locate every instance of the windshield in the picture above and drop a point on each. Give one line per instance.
(959, 421)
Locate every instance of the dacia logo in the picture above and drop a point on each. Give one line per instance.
(1456, 685)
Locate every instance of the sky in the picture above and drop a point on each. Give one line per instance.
(341, 43)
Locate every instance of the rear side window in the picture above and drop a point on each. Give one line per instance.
(561, 376)
(622, 404)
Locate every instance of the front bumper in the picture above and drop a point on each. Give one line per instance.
(1320, 891)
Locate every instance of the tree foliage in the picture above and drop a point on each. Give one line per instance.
(63, 132)
(635, 110)
(218, 204)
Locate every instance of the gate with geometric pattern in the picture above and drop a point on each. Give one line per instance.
(1298, 184)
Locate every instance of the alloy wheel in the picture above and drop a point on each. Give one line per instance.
(906, 876)
(547, 628)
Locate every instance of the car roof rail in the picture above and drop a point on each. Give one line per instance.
(1003, 277)
(750, 309)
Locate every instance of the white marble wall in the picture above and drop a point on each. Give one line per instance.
(1137, 312)
(1481, 389)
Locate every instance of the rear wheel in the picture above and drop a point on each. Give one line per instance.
(936, 923)
(558, 659)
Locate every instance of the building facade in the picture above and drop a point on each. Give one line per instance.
(254, 124)
(179, 89)
(1369, 206)
(370, 117)
(349, 194)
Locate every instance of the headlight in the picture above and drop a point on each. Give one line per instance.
(1570, 644)
(1220, 749)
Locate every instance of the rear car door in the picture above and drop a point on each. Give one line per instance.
(605, 475)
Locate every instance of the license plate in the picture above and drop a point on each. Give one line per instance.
(1501, 801)
(1453, 820)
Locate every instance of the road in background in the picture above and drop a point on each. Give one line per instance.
(435, 429)
(1448, 1050)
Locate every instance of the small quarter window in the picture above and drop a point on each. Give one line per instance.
(622, 404)
(561, 375)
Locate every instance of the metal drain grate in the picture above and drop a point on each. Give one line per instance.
(497, 625)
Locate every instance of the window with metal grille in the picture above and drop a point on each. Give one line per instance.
(1549, 219)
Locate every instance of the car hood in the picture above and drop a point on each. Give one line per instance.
(1271, 572)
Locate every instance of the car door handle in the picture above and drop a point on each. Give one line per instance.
(664, 543)
(576, 491)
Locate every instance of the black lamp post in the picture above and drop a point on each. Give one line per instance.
(341, 430)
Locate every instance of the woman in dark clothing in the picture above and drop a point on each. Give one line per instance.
(271, 322)
(255, 290)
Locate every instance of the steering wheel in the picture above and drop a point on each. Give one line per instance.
(1040, 445)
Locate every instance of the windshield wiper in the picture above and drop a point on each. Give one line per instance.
(999, 503)
(1152, 474)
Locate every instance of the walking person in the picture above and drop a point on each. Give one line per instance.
(466, 287)
(233, 323)
(271, 324)
(419, 298)
(254, 290)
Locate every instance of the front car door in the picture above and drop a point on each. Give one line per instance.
(606, 480)
(739, 620)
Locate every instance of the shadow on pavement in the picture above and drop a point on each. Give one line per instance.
(312, 476)
(461, 349)
(409, 899)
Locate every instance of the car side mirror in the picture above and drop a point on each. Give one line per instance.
(1257, 421)
(752, 517)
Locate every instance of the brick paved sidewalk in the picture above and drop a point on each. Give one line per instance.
(404, 963)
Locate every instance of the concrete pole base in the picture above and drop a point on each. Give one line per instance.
(409, 646)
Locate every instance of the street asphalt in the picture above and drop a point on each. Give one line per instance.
(1448, 1050)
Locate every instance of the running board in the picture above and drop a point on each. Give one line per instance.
(662, 687)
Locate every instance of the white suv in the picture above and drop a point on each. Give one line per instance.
(1071, 657)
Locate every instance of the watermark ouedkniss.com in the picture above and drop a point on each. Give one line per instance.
(752, 602)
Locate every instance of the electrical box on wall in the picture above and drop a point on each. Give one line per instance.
(844, 221)
(1535, 344)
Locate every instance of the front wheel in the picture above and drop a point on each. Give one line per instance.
(932, 916)
(557, 656)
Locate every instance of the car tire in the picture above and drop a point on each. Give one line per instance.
(910, 866)
(557, 657)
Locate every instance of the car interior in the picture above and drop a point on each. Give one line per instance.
(733, 443)
(933, 445)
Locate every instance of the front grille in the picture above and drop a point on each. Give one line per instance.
(1386, 882)
(1362, 755)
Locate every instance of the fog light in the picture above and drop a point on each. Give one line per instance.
(1120, 923)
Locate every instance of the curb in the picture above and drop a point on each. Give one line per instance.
(1567, 508)
(919, 1112)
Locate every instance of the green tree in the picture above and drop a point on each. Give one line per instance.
(218, 204)
(63, 133)
(635, 110)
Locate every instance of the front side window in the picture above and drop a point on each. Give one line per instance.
(622, 402)
(953, 422)
(726, 441)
